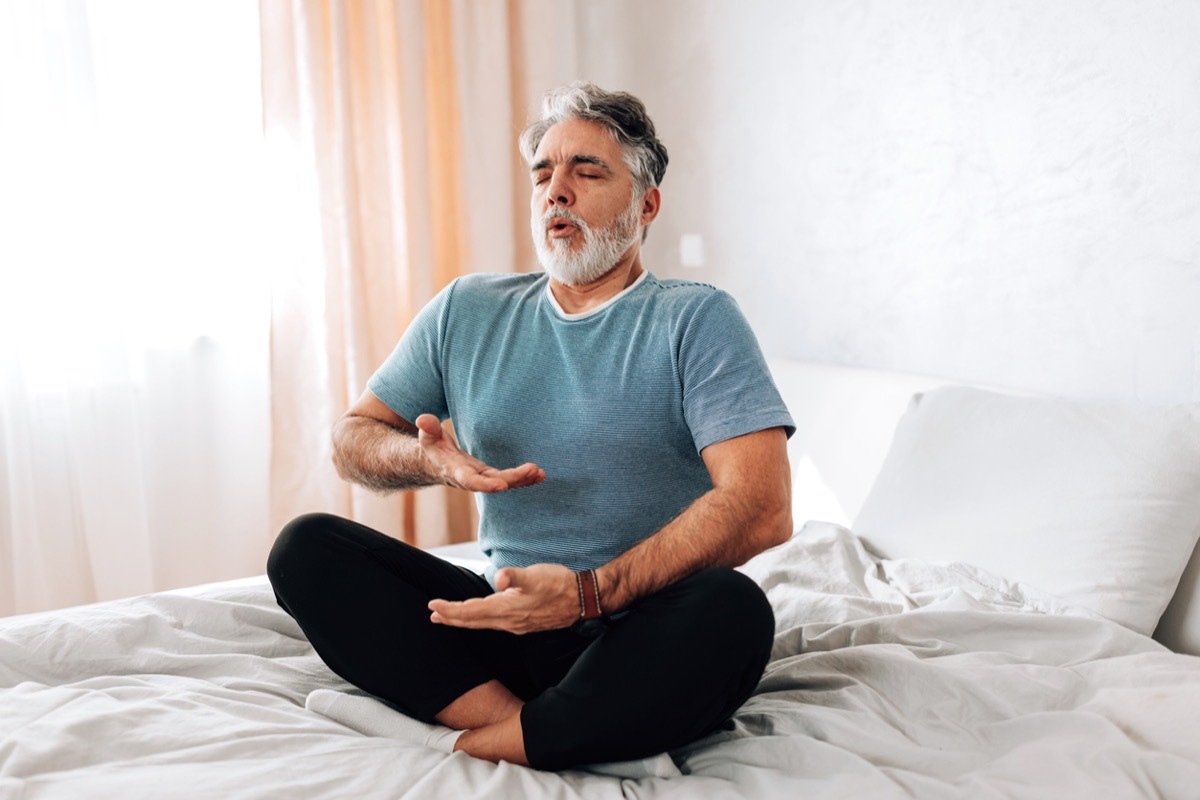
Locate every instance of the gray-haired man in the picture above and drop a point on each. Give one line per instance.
(651, 446)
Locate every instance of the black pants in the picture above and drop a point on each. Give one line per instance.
(671, 670)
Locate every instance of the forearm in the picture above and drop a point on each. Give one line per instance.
(723, 528)
(748, 510)
(716, 530)
(380, 456)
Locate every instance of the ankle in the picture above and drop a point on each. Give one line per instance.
(503, 741)
(486, 704)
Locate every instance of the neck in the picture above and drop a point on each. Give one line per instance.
(585, 297)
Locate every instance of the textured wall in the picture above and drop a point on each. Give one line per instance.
(1005, 192)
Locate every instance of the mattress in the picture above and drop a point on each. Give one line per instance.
(889, 679)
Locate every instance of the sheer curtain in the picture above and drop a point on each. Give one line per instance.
(392, 128)
(134, 318)
(215, 221)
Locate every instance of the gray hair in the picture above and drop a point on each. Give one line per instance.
(621, 113)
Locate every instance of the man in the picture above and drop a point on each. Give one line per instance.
(627, 448)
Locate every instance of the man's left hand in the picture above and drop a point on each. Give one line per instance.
(543, 597)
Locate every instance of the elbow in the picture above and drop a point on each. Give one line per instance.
(774, 524)
(776, 488)
(338, 450)
(339, 466)
(771, 528)
(779, 527)
(779, 520)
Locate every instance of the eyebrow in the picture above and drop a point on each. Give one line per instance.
(545, 163)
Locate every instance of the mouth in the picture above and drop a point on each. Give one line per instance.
(559, 228)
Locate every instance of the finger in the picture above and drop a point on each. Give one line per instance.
(520, 477)
(528, 475)
(478, 477)
(475, 607)
(470, 478)
(443, 612)
(478, 612)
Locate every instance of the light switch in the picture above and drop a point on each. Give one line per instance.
(691, 250)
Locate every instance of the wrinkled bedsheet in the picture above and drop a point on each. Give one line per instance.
(889, 679)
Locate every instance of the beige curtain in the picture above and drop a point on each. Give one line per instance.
(392, 129)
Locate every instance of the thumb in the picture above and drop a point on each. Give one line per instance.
(430, 427)
(508, 578)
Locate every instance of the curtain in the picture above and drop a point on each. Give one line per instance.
(133, 318)
(392, 127)
(216, 220)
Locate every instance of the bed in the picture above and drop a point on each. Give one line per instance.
(987, 595)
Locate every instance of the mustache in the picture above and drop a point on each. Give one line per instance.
(563, 214)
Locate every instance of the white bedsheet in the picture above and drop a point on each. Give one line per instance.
(889, 679)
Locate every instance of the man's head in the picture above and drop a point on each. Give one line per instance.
(596, 164)
(622, 114)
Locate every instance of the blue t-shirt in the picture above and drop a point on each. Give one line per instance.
(614, 404)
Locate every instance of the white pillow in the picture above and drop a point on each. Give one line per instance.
(1096, 503)
(1179, 628)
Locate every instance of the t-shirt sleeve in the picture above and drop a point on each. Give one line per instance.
(410, 381)
(727, 388)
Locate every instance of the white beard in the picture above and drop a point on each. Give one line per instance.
(601, 249)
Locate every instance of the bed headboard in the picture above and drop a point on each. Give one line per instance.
(845, 418)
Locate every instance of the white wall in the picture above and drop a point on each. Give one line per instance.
(1006, 192)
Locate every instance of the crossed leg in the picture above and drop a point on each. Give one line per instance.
(671, 670)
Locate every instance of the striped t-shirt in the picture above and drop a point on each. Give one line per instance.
(614, 404)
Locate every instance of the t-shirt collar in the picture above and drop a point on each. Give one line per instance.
(591, 311)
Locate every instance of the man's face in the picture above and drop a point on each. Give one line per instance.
(584, 213)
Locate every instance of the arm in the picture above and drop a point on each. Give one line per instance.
(747, 511)
(377, 448)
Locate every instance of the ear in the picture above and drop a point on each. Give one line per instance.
(650, 205)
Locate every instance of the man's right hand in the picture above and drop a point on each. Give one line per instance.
(375, 447)
(457, 468)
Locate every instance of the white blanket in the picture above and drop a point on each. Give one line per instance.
(889, 679)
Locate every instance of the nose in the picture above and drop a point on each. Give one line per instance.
(559, 190)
